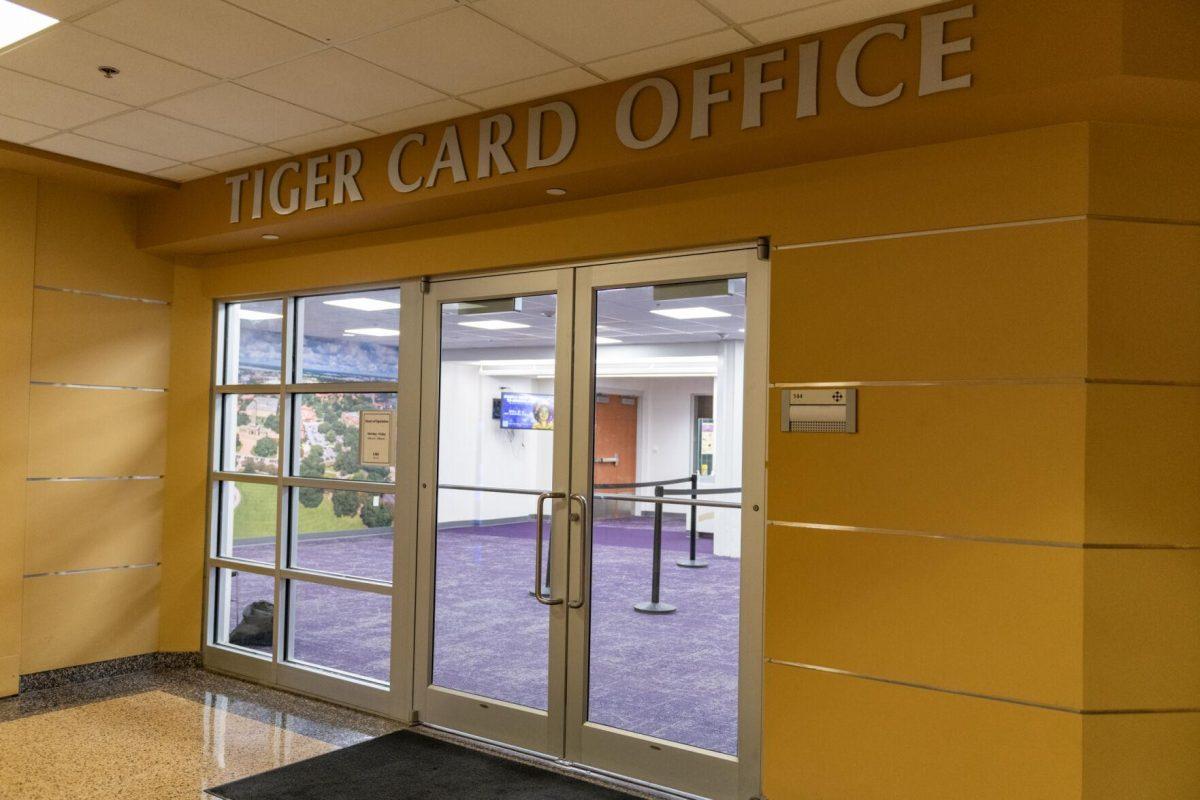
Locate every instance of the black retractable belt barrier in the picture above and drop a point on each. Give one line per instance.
(655, 606)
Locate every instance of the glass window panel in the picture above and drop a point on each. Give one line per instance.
(328, 434)
(247, 521)
(676, 344)
(344, 532)
(341, 629)
(253, 341)
(349, 337)
(496, 430)
(245, 610)
(251, 425)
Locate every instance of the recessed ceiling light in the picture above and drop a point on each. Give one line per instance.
(18, 22)
(363, 304)
(107, 71)
(373, 331)
(270, 237)
(607, 340)
(251, 314)
(689, 312)
(493, 324)
(556, 192)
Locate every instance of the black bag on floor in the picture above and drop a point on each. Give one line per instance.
(258, 619)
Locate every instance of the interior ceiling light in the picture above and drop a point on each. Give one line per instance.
(270, 237)
(373, 331)
(690, 312)
(251, 314)
(556, 192)
(18, 22)
(363, 304)
(493, 324)
(607, 340)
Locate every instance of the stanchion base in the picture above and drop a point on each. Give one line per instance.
(691, 563)
(654, 608)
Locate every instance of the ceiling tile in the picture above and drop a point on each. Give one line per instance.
(241, 158)
(103, 153)
(341, 85)
(20, 131)
(586, 30)
(323, 139)
(563, 80)
(825, 17)
(47, 103)
(670, 55)
(70, 56)
(162, 136)
(419, 115)
(62, 9)
(244, 113)
(457, 51)
(352, 19)
(182, 173)
(746, 10)
(206, 34)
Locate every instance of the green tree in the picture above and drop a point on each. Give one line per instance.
(376, 516)
(345, 504)
(266, 447)
(271, 422)
(243, 418)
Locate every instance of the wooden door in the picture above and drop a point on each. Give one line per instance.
(615, 452)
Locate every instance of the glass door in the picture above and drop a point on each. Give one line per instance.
(494, 507)
(664, 665)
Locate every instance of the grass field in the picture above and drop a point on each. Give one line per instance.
(254, 516)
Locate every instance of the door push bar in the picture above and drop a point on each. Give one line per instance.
(537, 561)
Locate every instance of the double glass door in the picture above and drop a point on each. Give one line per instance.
(590, 524)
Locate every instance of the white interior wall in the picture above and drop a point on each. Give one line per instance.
(475, 451)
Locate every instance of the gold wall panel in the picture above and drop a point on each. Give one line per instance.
(978, 460)
(982, 304)
(1142, 629)
(1143, 464)
(1142, 756)
(841, 738)
(1143, 301)
(96, 432)
(88, 617)
(1002, 620)
(1145, 171)
(99, 341)
(17, 228)
(91, 524)
(86, 241)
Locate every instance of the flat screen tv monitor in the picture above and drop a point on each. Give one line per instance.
(520, 411)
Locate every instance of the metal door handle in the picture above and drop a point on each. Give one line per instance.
(585, 526)
(537, 561)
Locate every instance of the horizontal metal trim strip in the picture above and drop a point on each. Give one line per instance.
(248, 388)
(983, 539)
(348, 387)
(981, 382)
(979, 695)
(933, 232)
(73, 479)
(668, 501)
(1144, 220)
(932, 382)
(106, 295)
(91, 570)
(339, 485)
(340, 581)
(105, 387)
(236, 565)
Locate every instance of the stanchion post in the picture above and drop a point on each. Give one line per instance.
(691, 561)
(655, 606)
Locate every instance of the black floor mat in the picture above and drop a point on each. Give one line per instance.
(405, 765)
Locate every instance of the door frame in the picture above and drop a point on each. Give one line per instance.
(646, 758)
(488, 718)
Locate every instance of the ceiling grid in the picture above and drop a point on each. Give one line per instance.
(207, 86)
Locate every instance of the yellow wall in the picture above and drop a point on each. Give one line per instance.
(81, 347)
(938, 625)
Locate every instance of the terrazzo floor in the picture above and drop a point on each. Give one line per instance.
(671, 676)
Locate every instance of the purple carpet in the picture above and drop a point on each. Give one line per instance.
(671, 676)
